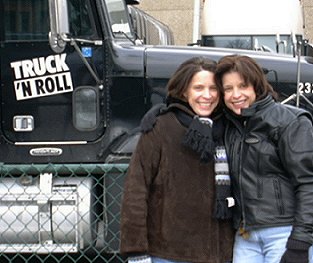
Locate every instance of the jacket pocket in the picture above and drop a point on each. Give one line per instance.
(278, 196)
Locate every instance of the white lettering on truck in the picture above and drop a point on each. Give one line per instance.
(42, 76)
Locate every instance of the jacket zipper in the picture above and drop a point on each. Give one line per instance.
(243, 215)
(238, 150)
(278, 196)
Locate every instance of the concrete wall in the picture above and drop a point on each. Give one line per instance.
(308, 19)
(178, 15)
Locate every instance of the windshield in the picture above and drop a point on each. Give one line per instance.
(254, 42)
(118, 15)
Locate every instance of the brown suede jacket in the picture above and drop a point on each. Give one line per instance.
(168, 201)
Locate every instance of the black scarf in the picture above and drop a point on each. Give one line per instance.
(198, 136)
(206, 139)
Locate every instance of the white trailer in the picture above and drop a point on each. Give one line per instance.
(249, 24)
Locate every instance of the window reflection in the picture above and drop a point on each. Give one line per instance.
(25, 19)
(29, 19)
(118, 16)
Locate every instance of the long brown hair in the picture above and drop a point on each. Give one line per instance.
(182, 77)
(250, 72)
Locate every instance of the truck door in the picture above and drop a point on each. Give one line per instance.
(47, 97)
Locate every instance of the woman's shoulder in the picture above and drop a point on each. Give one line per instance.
(286, 112)
(162, 116)
(166, 122)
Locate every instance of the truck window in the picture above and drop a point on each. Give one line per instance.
(25, 20)
(118, 17)
(80, 23)
(253, 42)
(241, 42)
(29, 19)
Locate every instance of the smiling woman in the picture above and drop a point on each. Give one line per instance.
(237, 94)
(270, 150)
(202, 94)
(172, 186)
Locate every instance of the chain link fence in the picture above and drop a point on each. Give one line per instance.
(60, 213)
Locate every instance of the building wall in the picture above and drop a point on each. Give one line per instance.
(178, 15)
(308, 19)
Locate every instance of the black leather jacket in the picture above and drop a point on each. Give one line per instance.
(271, 160)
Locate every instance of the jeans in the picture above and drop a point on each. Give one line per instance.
(311, 254)
(265, 245)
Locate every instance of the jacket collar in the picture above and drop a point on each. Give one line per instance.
(255, 107)
(258, 105)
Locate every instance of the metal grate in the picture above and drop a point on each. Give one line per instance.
(60, 213)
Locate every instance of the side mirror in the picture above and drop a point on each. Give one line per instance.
(280, 42)
(308, 48)
(294, 43)
(59, 24)
(86, 108)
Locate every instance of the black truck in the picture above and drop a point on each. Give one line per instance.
(75, 83)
